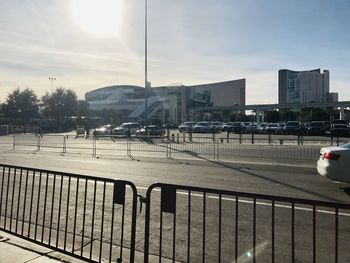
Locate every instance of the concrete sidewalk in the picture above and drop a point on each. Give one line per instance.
(16, 250)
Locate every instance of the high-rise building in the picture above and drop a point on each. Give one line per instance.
(303, 86)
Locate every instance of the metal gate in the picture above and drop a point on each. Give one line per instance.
(83, 216)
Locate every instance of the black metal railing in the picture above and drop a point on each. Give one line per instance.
(193, 224)
(94, 219)
(71, 213)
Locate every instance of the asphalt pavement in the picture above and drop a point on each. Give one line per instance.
(244, 174)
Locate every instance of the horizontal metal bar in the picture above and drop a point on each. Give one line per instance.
(254, 195)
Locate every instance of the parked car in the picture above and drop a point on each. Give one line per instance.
(226, 126)
(170, 126)
(218, 125)
(316, 128)
(339, 130)
(127, 128)
(293, 127)
(334, 163)
(261, 127)
(204, 127)
(253, 128)
(186, 126)
(272, 128)
(103, 130)
(340, 122)
(237, 127)
(153, 130)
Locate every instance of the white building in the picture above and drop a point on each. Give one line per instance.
(171, 103)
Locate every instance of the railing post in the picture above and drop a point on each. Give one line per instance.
(128, 144)
(253, 138)
(64, 144)
(217, 150)
(38, 143)
(169, 149)
(228, 137)
(240, 138)
(270, 138)
(337, 141)
(190, 136)
(94, 146)
(14, 141)
(214, 149)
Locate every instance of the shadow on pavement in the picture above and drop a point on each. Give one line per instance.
(238, 169)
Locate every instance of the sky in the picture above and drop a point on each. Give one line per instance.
(88, 44)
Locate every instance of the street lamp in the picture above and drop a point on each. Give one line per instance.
(146, 82)
(52, 79)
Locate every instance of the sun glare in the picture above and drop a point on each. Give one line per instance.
(99, 17)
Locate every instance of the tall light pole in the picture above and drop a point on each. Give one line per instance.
(52, 79)
(146, 82)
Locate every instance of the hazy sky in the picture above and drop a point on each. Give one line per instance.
(87, 44)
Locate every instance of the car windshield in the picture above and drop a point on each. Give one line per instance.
(292, 124)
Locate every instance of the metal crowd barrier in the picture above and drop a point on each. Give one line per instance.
(73, 214)
(213, 147)
(94, 219)
(193, 224)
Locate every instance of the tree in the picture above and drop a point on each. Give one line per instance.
(21, 106)
(59, 105)
(83, 108)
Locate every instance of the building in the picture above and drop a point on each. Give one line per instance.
(304, 86)
(173, 103)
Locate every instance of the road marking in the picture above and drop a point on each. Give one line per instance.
(258, 203)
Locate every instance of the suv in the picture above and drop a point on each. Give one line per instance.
(316, 128)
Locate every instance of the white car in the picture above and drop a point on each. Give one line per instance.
(334, 163)
(127, 128)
